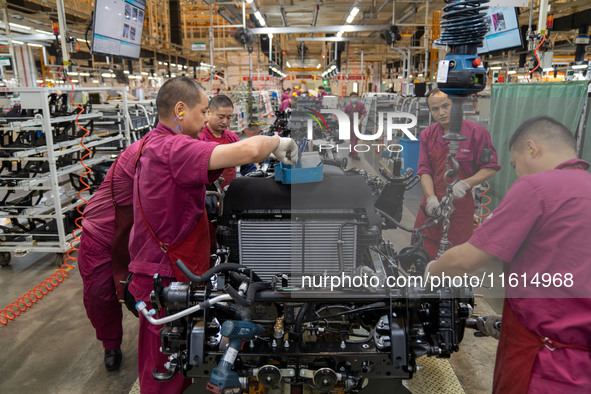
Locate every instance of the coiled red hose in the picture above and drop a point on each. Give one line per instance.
(38, 292)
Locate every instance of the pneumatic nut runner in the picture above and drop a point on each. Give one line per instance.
(459, 75)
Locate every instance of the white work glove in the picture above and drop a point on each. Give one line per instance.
(459, 189)
(489, 325)
(287, 151)
(432, 205)
(426, 275)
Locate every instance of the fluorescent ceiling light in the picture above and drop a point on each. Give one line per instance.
(75, 81)
(95, 81)
(43, 32)
(249, 1)
(350, 19)
(125, 71)
(319, 65)
(18, 42)
(84, 74)
(287, 64)
(511, 72)
(579, 66)
(73, 73)
(144, 73)
(34, 45)
(271, 35)
(496, 68)
(354, 11)
(339, 34)
(548, 69)
(17, 26)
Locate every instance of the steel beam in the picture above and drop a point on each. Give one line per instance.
(338, 39)
(318, 29)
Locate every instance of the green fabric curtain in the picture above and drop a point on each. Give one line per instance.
(514, 103)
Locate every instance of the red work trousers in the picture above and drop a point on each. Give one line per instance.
(100, 300)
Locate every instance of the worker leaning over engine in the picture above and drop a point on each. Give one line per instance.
(478, 162)
(541, 231)
(103, 254)
(220, 111)
(169, 202)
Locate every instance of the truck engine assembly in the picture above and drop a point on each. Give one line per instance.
(267, 314)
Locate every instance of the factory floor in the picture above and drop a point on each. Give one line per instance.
(51, 347)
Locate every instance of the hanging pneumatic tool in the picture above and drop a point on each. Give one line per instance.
(459, 75)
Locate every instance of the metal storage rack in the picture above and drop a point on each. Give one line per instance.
(33, 210)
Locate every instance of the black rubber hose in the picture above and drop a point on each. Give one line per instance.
(236, 296)
(297, 329)
(215, 270)
(250, 293)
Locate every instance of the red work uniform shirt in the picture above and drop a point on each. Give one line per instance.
(285, 104)
(227, 137)
(542, 230)
(172, 180)
(99, 213)
(432, 157)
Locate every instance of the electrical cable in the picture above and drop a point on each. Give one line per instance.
(88, 29)
(536, 54)
(38, 292)
(484, 210)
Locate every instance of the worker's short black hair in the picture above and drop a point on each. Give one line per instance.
(288, 89)
(220, 101)
(354, 94)
(321, 87)
(542, 128)
(177, 89)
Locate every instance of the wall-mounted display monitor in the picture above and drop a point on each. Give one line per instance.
(118, 26)
(503, 30)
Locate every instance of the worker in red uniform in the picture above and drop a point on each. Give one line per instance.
(540, 230)
(321, 91)
(288, 103)
(220, 112)
(103, 256)
(354, 106)
(169, 202)
(286, 94)
(478, 162)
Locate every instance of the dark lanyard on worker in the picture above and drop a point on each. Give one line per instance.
(163, 245)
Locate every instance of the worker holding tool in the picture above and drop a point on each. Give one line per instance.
(478, 162)
(220, 112)
(540, 231)
(352, 108)
(169, 201)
